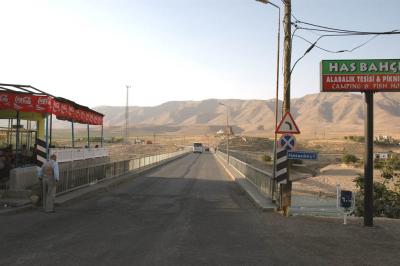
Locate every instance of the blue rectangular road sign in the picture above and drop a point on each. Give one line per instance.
(346, 197)
(303, 155)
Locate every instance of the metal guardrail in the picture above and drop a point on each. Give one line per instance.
(71, 179)
(260, 178)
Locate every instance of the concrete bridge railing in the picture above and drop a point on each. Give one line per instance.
(74, 154)
(260, 178)
(71, 179)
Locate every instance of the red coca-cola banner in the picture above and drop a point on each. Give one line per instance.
(48, 105)
(26, 102)
(66, 111)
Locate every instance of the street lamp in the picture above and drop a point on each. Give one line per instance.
(227, 130)
(277, 85)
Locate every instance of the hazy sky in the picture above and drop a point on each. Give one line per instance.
(175, 49)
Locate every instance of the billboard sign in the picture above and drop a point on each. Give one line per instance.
(360, 75)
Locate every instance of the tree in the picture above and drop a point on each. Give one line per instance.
(266, 158)
(349, 158)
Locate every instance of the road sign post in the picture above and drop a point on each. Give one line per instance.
(345, 202)
(281, 166)
(368, 76)
(287, 126)
(281, 174)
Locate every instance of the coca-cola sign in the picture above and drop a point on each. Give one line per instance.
(48, 105)
(4, 99)
(56, 107)
(43, 100)
(23, 100)
(64, 109)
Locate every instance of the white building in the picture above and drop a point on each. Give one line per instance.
(381, 155)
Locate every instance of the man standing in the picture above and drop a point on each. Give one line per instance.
(50, 175)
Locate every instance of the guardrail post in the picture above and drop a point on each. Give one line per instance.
(67, 180)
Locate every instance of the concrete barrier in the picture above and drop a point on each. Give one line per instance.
(21, 178)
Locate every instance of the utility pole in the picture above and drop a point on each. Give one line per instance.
(286, 189)
(127, 114)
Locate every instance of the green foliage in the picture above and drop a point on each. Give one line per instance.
(394, 161)
(387, 171)
(266, 158)
(378, 164)
(349, 158)
(92, 139)
(115, 140)
(355, 138)
(388, 167)
(95, 139)
(386, 202)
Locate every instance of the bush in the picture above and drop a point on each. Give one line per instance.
(349, 158)
(356, 138)
(394, 162)
(387, 171)
(378, 164)
(115, 140)
(386, 202)
(266, 158)
(389, 165)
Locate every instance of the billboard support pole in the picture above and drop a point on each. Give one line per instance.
(72, 134)
(368, 160)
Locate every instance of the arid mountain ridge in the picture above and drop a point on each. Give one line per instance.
(321, 114)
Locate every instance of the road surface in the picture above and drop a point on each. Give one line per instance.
(187, 212)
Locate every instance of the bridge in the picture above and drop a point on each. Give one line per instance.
(185, 211)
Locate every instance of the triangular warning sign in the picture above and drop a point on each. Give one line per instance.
(287, 125)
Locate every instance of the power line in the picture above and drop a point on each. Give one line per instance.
(331, 32)
(321, 28)
(392, 32)
(338, 51)
(338, 34)
(314, 44)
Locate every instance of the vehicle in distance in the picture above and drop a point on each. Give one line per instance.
(197, 147)
(206, 148)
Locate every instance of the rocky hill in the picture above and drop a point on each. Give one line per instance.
(322, 114)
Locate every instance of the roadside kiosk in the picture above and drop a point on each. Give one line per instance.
(26, 127)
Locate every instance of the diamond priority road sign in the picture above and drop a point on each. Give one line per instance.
(360, 75)
(287, 142)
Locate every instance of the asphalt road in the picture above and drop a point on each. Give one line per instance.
(187, 213)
